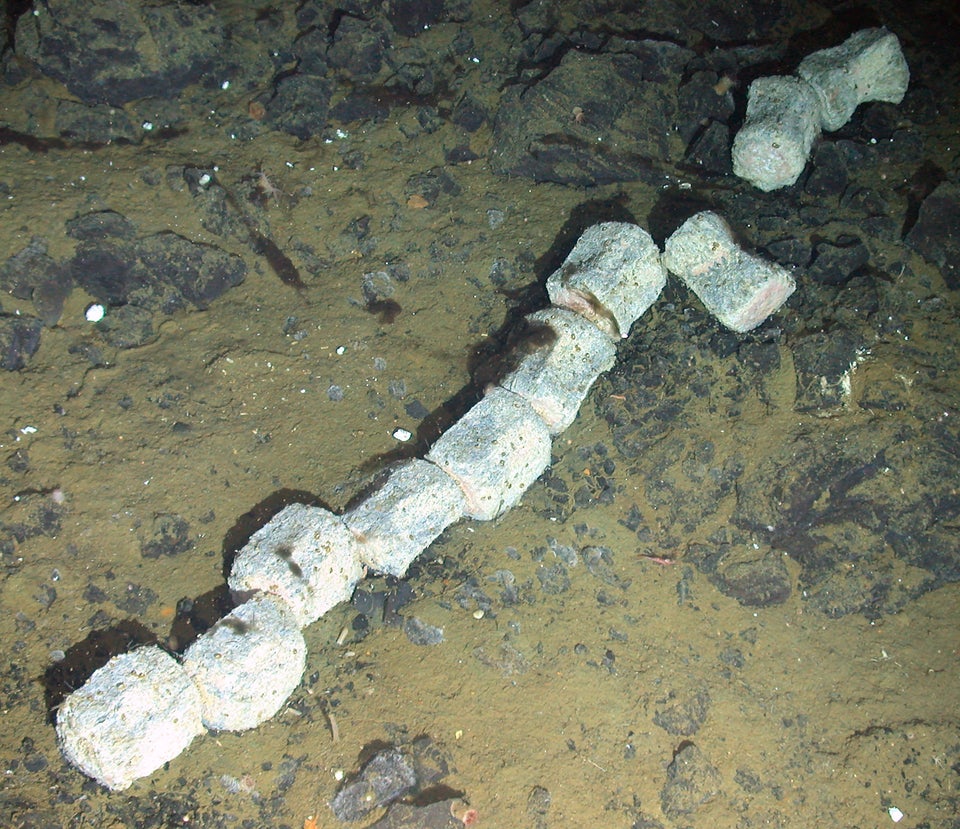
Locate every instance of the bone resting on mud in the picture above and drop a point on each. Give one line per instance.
(785, 114)
(143, 708)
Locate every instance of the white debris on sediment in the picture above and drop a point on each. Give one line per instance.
(740, 289)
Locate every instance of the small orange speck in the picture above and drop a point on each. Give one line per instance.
(167, 612)
(310, 822)
(256, 110)
(417, 202)
(587, 472)
(724, 85)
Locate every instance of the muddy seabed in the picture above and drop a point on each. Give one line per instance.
(733, 599)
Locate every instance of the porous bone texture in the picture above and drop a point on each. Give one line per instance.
(868, 66)
(740, 289)
(247, 664)
(783, 120)
(134, 714)
(304, 555)
(612, 275)
(565, 355)
(494, 452)
(401, 519)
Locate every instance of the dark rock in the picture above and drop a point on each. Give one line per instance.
(416, 410)
(358, 47)
(691, 782)
(420, 633)
(19, 340)
(170, 536)
(548, 131)
(600, 565)
(103, 224)
(370, 603)
(109, 271)
(469, 114)
(461, 154)
(310, 47)
(539, 799)
(829, 174)
(748, 781)
(702, 99)
(135, 599)
(139, 277)
(27, 268)
(823, 363)
(31, 516)
(854, 155)
(18, 461)
(710, 150)
(836, 262)
(732, 656)
(415, 70)
(411, 19)
(432, 184)
(49, 297)
(299, 105)
(32, 274)
(758, 582)
(684, 717)
(377, 286)
(936, 234)
(790, 251)
(389, 775)
(868, 201)
(94, 123)
(553, 579)
(199, 273)
(109, 51)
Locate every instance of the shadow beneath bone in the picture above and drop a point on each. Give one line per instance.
(63, 677)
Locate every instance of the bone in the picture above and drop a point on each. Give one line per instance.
(783, 120)
(740, 289)
(130, 717)
(494, 452)
(611, 277)
(868, 66)
(555, 375)
(305, 556)
(402, 518)
(247, 664)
